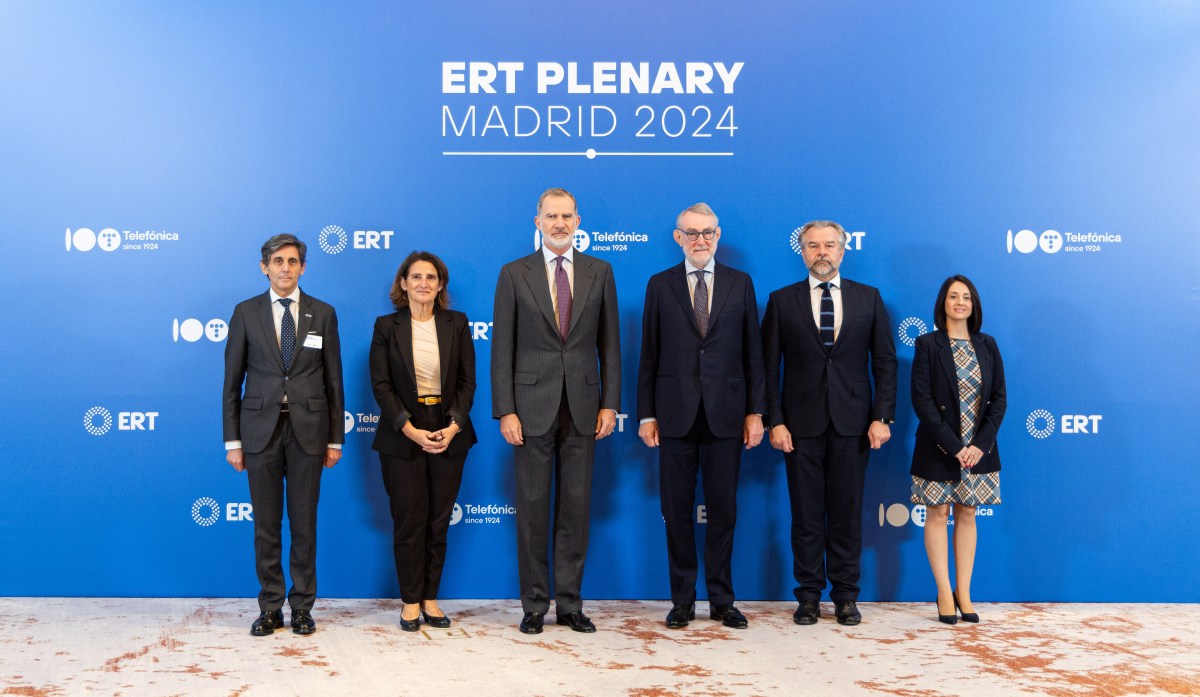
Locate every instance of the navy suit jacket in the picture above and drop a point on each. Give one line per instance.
(313, 384)
(815, 386)
(936, 401)
(393, 379)
(678, 368)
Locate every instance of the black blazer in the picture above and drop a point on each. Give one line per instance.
(393, 379)
(818, 387)
(678, 368)
(935, 399)
(255, 381)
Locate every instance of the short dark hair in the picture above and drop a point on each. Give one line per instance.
(975, 320)
(279, 242)
(399, 296)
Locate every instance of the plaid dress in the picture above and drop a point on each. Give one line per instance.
(971, 489)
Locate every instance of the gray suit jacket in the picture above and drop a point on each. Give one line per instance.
(530, 362)
(313, 384)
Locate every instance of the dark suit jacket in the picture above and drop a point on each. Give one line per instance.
(530, 362)
(393, 379)
(313, 384)
(678, 368)
(935, 399)
(817, 387)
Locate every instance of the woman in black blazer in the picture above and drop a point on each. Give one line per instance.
(958, 394)
(423, 374)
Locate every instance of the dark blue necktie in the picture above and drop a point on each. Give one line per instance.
(287, 334)
(826, 315)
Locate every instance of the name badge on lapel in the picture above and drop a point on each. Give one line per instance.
(313, 341)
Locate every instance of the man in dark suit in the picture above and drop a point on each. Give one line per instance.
(556, 388)
(701, 397)
(282, 419)
(833, 337)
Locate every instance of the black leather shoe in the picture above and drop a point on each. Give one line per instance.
(967, 616)
(847, 612)
(729, 616)
(679, 615)
(303, 622)
(577, 621)
(807, 613)
(412, 625)
(531, 623)
(438, 621)
(267, 623)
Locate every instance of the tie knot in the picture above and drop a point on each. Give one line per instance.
(286, 302)
(699, 274)
(558, 260)
(826, 285)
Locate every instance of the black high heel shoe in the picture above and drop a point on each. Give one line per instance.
(944, 619)
(967, 616)
(437, 621)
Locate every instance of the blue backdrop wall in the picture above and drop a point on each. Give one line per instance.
(1047, 150)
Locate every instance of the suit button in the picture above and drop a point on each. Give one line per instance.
(701, 352)
(285, 378)
(829, 361)
(942, 408)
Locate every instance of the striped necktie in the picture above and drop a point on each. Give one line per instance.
(826, 315)
(700, 303)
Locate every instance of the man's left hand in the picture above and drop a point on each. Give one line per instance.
(332, 455)
(606, 421)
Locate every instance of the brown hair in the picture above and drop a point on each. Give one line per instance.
(399, 296)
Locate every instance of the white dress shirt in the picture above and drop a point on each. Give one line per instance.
(835, 291)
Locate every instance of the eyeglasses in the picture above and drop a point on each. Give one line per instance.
(694, 235)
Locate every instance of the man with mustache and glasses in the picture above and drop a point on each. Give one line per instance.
(824, 340)
(701, 397)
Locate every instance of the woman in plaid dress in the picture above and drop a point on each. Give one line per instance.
(958, 395)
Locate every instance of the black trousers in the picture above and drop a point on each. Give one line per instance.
(284, 460)
(421, 490)
(563, 456)
(718, 460)
(825, 477)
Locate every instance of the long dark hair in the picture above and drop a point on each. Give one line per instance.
(975, 320)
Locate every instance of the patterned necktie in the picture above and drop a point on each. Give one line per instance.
(826, 315)
(700, 303)
(287, 334)
(562, 292)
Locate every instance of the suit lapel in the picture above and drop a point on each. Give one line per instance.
(267, 326)
(539, 287)
(679, 288)
(803, 299)
(444, 338)
(720, 293)
(848, 305)
(403, 335)
(584, 277)
(946, 358)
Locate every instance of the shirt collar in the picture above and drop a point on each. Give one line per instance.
(710, 267)
(813, 282)
(549, 255)
(295, 296)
